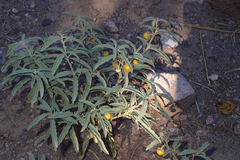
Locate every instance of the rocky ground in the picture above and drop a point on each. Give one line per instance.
(222, 54)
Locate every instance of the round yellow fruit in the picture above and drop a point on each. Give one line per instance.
(146, 36)
(108, 116)
(105, 54)
(135, 62)
(127, 68)
(115, 64)
(93, 40)
(160, 151)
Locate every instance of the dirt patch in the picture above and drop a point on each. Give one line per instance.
(222, 53)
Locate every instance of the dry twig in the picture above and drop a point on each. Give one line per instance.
(205, 63)
(207, 28)
(202, 85)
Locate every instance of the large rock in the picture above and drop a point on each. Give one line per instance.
(174, 85)
(111, 27)
(230, 7)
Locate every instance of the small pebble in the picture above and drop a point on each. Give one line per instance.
(15, 18)
(14, 10)
(213, 77)
(46, 22)
(237, 129)
(209, 120)
(33, 4)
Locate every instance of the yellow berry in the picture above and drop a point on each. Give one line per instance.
(105, 54)
(127, 68)
(146, 36)
(160, 151)
(108, 116)
(93, 40)
(135, 62)
(115, 64)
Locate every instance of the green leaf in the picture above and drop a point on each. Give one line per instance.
(152, 144)
(89, 78)
(204, 146)
(30, 156)
(166, 96)
(47, 56)
(40, 86)
(143, 66)
(86, 121)
(104, 46)
(21, 72)
(41, 157)
(5, 66)
(48, 108)
(141, 58)
(50, 42)
(207, 158)
(71, 13)
(168, 151)
(82, 63)
(60, 92)
(74, 139)
(60, 74)
(126, 80)
(102, 124)
(53, 131)
(70, 120)
(127, 62)
(112, 110)
(160, 110)
(149, 130)
(133, 99)
(97, 135)
(60, 115)
(149, 27)
(75, 88)
(64, 132)
(130, 43)
(133, 90)
(36, 120)
(187, 151)
(143, 110)
(114, 89)
(12, 47)
(69, 106)
(34, 94)
(101, 79)
(88, 103)
(112, 143)
(19, 85)
(149, 19)
(57, 63)
(85, 145)
(102, 61)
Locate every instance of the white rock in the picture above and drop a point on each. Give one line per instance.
(237, 129)
(15, 18)
(174, 85)
(14, 10)
(170, 42)
(33, 4)
(209, 120)
(213, 77)
(111, 27)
